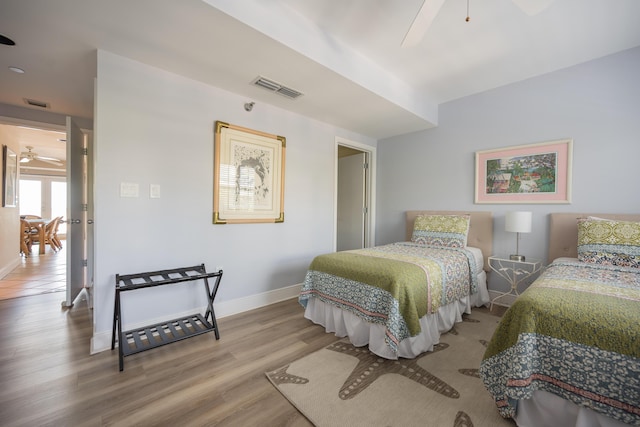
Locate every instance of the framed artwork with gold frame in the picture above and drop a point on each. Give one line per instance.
(248, 169)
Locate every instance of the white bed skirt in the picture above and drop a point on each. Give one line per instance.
(545, 409)
(344, 323)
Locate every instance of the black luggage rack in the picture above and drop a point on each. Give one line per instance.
(152, 336)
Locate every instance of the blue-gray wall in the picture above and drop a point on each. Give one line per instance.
(597, 104)
(155, 127)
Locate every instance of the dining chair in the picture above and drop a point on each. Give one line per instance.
(49, 229)
(25, 238)
(54, 238)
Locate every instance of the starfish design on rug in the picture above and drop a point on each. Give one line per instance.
(473, 372)
(371, 366)
(465, 318)
(281, 376)
(470, 372)
(462, 420)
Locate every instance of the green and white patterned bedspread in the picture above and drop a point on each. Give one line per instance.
(574, 333)
(393, 285)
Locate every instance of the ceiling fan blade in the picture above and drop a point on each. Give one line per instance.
(421, 23)
(51, 161)
(47, 158)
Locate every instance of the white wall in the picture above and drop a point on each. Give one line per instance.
(154, 127)
(596, 103)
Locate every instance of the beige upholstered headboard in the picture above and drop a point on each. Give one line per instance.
(563, 232)
(480, 229)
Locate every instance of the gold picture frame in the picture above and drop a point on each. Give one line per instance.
(248, 182)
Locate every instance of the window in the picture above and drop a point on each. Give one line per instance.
(59, 203)
(30, 197)
(45, 197)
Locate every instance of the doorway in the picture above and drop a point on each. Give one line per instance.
(58, 158)
(41, 152)
(355, 190)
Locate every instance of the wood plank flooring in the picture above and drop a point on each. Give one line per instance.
(36, 274)
(48, 378)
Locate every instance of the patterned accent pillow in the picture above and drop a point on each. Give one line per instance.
(609, 242)
(441, 230)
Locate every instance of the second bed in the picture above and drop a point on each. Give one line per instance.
(365, 294)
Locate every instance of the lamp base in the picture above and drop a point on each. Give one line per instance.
(516, 258)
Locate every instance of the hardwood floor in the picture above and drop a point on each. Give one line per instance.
(36, 274)
(47, 376)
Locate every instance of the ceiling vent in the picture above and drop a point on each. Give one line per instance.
(34, 103)
(272, 86)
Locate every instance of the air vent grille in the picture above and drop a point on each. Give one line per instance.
(272, 86)
(291, 93)
(34, 103)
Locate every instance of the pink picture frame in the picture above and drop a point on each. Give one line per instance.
(533, 173)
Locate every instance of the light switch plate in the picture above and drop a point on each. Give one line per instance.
(154, 191)
(129, 189)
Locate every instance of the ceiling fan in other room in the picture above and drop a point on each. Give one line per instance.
(27, 156)
(430, 8)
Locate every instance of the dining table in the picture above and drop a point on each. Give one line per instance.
(38, 224)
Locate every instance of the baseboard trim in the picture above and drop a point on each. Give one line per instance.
(101, 341)
(10, 267)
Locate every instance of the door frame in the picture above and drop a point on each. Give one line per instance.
(370, 184)
(77, 214)
(88, 135)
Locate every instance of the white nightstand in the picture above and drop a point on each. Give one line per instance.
(514, 272)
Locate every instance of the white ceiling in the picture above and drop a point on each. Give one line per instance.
(345, 56)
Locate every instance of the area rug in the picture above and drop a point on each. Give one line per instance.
(344, 385)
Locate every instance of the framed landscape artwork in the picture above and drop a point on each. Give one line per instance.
(534, 173)
(248, 184)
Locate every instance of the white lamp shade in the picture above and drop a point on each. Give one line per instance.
(518, 222)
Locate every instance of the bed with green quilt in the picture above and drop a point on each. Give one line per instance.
(399, 297)
(567, 352)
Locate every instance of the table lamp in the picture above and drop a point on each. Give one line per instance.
(518, 222)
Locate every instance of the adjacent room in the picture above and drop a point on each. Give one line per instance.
(270, 166)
